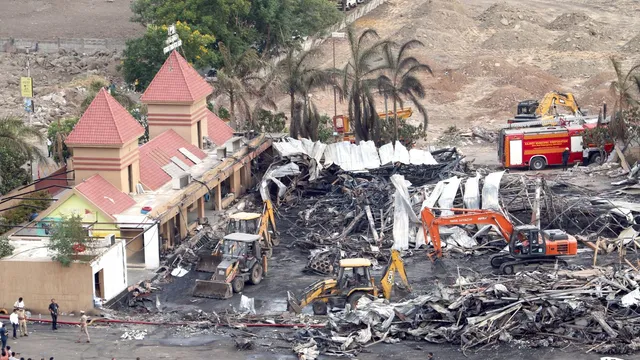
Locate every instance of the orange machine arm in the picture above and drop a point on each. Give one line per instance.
(431, 223)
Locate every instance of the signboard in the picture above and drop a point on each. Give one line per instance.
(175, 45)
(26, 87)
(173, 41)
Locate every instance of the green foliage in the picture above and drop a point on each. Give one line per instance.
(407, 134)
(65, 235)
(223, 113)
(19, 137)
(240, 24)
(96, 86)
(12, 174)
(269, 122)
(325, 129)
(6, 249)
(143, 56)
(57, 133)
(24, 210)
(139, 112)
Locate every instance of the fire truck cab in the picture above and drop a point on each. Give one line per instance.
(537, 148)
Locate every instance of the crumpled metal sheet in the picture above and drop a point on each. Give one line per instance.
(402, 213)
(272, 174)
(471, 196)
(421, 157)
(448, 195)
(459, 237)
(386, 154)
(490, 191)
(289, 147)
(247, 305)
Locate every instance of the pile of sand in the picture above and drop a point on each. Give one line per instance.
(568, 21)
(599, 81)
(487, 66)
(503, 99)
(593, 100)
(524, 36)
(501, 15)
(579, 41)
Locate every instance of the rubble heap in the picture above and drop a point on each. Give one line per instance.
(543, 308)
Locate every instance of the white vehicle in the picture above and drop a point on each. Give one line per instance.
(349, 4)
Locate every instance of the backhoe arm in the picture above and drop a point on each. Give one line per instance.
(431, 224)
(388, 279)
(553, 98)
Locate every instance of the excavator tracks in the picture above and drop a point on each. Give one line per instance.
(508, 265)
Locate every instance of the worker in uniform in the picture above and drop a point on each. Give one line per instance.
(565, 158)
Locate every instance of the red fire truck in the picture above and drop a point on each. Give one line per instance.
(536, 148)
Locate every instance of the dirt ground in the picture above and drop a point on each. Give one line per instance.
(487, 55)
(50, 19)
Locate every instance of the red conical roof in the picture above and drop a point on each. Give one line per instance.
(176, 82)
(105, 122)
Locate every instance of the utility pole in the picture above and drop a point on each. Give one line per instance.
(335, 35)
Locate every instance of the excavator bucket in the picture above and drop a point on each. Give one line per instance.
(439, 269)
(208, 263)
(293, 304)
(213, 289)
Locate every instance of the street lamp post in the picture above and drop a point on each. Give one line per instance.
(335, 35)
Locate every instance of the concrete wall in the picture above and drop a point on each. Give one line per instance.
(111, 163)
(40, 281)
(77, 205)
(52, 46)
(113, 262)
(152, 247)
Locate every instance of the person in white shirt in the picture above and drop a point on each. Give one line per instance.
(18, 304)
(13, 318)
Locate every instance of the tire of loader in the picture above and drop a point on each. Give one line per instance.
(256, 274)
(353, 298)
(319, 307)
(237, 284)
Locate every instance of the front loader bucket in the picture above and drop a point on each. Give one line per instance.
(208, 263)
(212, 289)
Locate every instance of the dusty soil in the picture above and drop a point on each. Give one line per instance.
(50, 19)
(487, 55)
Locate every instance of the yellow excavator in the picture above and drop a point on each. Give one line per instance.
(255, 223)
(236, 260)
(353, 282)
(547, 108)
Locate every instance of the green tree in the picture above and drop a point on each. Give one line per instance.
(400, 81)
(358, 83)
(12, 174)
(67, 236)
(143, 56)
(19, 137)
(57, 133)
(238, 81)
(297, 78)
(269, 122)
(94, 89)
(6, 249)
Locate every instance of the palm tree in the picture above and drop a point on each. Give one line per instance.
(299, 79)
(357, 83)
(401, 81)
(237, 80)
(19, 137)
(625, 90)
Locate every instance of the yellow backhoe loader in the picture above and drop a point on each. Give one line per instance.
(236, 259)
(547, 108)
(354, 281)
(254, 223)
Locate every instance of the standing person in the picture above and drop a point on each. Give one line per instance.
(22, 319)
(3, 335)
(49, 146)
(565, 158)
(83, 326)
(13, 318)
(53, 309)
(18, 304)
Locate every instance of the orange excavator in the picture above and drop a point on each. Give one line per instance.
(527, 243)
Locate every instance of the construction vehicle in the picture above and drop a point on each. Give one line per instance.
(236, 260)
(527, 243)
(547, 108)
(539, 147)
(342, 124)
(353, 282)
(254, 223)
